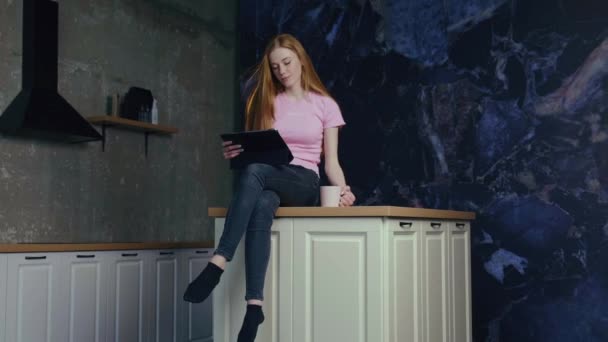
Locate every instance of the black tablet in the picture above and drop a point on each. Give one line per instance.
(264, 146)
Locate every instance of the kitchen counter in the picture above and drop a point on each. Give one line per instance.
(363, 211)
(106, 246)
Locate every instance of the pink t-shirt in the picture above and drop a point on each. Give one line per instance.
(301, 124)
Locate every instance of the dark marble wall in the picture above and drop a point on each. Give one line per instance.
(498, 107)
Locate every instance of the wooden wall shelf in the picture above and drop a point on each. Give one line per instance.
(134, 125)
(131, 124)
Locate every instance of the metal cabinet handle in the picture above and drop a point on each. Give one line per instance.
(435, 225)
(85, 256)
(460, 225)
(35, 257)
(405, 224)
(129, 254)
(166, 253)
(202, 252)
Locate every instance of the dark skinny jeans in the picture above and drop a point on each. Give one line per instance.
(260, 191)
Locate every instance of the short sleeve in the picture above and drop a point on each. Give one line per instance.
(332, 117)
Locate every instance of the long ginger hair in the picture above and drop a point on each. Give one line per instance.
(259, 109)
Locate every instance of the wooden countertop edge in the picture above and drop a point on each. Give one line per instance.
(370, 211)
(77, 247)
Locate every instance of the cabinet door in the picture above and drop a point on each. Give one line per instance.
(404, 281)
(229, 296)
(460, 281)
(196, 323)
(337, 279)
(35, 310)
(126, 306)
(3, 277)
(435, 281)
(278, 284)
(86, 285)
(163, 280)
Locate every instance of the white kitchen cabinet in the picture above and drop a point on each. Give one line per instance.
(429, 281)
(278, 289)
(403, 305)
(99, 296)
(371, 274)
(34, 302)
(195, 319)
(87, 295)
(435, 282)
(164, 282)
(3, 279)
(459, 238)
(229, 295)
(126, 315)
(337, 287)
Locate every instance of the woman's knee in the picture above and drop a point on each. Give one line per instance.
(256, 169)
(269, 200)
(254, 172)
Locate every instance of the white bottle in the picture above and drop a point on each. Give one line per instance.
(154, 112)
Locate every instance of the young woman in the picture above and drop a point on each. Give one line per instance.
(288, 96)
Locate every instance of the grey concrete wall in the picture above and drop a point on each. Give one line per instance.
(182, 50)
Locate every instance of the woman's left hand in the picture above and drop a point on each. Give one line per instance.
(347, 198)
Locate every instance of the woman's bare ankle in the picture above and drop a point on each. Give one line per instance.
(255, 302)
(219, 261)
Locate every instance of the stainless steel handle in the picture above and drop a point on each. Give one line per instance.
(85, 256)
(129, 254)
(405, 224)
(35, 257)
(460, 225)
(202, 252)
(435, 225)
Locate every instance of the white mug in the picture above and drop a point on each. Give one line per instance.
(330, 195)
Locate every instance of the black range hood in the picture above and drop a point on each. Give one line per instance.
(39, 111)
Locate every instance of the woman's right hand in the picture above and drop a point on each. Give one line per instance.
(231, 150)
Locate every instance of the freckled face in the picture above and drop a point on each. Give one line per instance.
(286, 67)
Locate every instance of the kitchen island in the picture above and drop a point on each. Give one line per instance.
(369, 274)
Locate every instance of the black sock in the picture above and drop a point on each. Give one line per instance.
(253, 318)
(201, 287)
